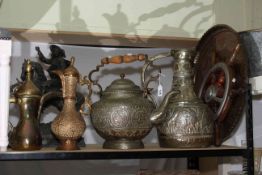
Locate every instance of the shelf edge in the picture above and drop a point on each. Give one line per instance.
(101, 39)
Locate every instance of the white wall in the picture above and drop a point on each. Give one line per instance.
(180, 18)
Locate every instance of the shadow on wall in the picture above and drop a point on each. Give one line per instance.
(119, 22)
(25, 16)
(70, 18)
(126, 27)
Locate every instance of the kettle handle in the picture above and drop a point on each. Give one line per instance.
(119, 59)
(87, 103)
(148, 63)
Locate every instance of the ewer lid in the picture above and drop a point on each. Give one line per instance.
(71, 70)
(28, 88)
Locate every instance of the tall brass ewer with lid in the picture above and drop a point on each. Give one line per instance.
(182, 119)
(69, 124)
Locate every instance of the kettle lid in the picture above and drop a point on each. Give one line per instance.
(123, 84)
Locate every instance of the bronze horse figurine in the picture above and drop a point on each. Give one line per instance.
(56, 61)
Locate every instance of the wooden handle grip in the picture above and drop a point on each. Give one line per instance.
(123, 59)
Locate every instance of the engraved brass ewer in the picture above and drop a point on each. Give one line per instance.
(182, 119)
(69, 125)
(26, 135)
(121, 116)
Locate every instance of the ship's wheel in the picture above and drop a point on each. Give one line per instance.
(221, 78)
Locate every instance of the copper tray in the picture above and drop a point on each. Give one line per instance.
(221, 78)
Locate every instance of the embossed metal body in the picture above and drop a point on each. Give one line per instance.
(69, 125)
(183, 120)
(121, 116)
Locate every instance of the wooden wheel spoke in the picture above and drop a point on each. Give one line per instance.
(218, 99)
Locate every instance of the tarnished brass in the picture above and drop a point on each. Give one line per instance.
(121, 116)
(182, 119)
(69, 124)
(26, 135)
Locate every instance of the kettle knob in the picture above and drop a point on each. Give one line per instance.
(122, 75)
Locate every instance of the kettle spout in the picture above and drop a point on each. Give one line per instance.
(157, 116)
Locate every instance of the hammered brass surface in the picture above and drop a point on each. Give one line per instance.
(69, 125)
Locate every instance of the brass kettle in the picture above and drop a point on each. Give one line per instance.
(182, 119)
(26, 135)
(121, 116)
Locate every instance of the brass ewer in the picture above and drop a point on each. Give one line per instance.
(26, 135)
(182, 119)
(69, 125)
(121, 116)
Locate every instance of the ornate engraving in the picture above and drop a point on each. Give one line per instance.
(183, 120)
(122, 119)
(69, 125)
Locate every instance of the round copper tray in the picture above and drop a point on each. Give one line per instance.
(221, 78)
